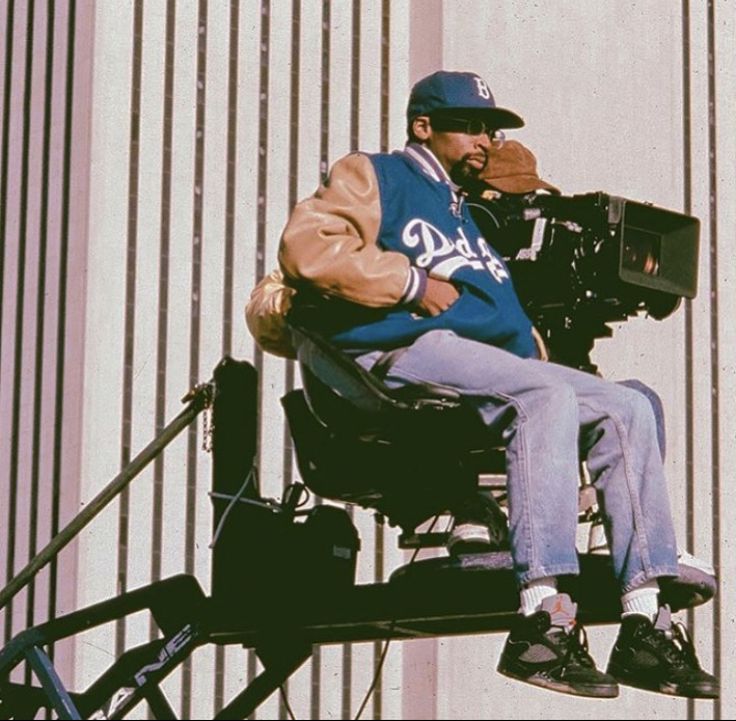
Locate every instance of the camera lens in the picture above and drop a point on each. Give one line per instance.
(641, 252)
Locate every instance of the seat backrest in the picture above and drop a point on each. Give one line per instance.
(402, 451)
(326, 369)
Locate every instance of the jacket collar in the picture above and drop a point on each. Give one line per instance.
(429, 165)
(427, 162)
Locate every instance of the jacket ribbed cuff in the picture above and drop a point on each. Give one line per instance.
(416, 285)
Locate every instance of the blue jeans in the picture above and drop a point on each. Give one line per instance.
(656, 402)
(544, 413)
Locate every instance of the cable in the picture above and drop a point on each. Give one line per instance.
(486, 210)
(387, 643)
(286, 703)
(253, 473)
(384, 652)
(377, 674)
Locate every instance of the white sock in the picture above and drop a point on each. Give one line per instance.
(535, 592)
(642, 600)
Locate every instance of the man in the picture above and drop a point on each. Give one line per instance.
(391, 235)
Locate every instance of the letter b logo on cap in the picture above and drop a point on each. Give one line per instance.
(483, 89)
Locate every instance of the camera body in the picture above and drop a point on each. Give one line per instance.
(580, 262)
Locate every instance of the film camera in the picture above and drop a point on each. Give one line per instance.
(580, 262)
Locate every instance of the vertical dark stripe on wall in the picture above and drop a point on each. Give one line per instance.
(20, 298)
(162, 343)
(385, 89)
(324, 138)
(355, 79)
(228, 270)
(687, 202)
(195, 310)
(714, 359)
(4, 158)
(40, 301)
(324, 149)
(61, 301)
(288, 455)
(347, 649)
(261, 217)
(232, 159)
(289, 372)
(385, 74)
(296, 19)
(130, 294)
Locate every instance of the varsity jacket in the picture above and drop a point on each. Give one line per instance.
(368, 238)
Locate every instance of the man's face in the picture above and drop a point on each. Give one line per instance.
(462, 154)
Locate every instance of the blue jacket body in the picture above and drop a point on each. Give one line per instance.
(425, 219)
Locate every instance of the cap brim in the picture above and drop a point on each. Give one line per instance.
(500, 118)
(519, 184)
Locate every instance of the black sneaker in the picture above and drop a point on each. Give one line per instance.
(549, 650)
(480, 526)
(659, 657)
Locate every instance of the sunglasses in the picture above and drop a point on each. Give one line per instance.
(469, 126)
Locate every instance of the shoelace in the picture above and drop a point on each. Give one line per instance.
(676, 646)
(686, 643)
(577, 648)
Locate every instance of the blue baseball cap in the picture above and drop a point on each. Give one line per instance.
(446, 90)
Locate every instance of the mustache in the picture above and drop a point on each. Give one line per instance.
(480, 155)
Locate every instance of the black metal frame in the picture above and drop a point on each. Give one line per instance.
(431, 598)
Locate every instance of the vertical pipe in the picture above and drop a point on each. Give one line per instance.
(130, 299)
(324, 140)
(162, 343)
(61, 301)
(38, 420)
(228, 269)
(289, 372)
(384, 109)
(195, 311)
(714, 353)
(230, 179)
(163, 288)
(19, 312)
(261, 218)
(689, 361)
(5, 143)
(347, 648)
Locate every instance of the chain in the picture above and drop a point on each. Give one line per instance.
(208, 428)
(207, 391)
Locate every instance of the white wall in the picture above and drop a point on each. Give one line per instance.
(128, 353)
(601, 87)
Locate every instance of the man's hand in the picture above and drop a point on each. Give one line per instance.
(438, 297)
(541, 345)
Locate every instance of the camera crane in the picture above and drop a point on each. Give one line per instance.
(578, 263)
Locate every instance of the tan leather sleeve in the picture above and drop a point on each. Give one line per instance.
(265, 315)
(330, 240)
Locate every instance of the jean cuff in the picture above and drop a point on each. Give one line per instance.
(666, 571)
(534, 574)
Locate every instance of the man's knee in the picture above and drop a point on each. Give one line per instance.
(551, 399)
(657, 408)
(633, 406)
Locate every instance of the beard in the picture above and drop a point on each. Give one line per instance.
(464, 174)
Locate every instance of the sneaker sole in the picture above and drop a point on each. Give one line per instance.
(465, 548)
(705, 690)
(590, 691)
(469, 538)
